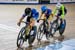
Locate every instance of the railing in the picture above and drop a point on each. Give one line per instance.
(35, 1)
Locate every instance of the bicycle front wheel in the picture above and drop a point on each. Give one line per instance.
(20, 38)
(40, 32)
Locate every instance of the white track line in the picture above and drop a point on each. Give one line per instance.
(9, 28)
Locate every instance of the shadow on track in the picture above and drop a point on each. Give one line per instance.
(42, 44)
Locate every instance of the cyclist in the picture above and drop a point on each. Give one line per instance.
(46, 14)
(32, 15)
(60, 12)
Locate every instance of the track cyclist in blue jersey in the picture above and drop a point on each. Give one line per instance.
(45, 19)
(32, 16)
(46, 14)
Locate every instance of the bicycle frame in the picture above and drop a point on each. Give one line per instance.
(44, 24)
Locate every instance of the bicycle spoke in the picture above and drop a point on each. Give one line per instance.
(21, 42)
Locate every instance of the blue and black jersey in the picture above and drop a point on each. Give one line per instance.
(33, 15)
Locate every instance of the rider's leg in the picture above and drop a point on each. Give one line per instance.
(48, 25)
(63, 17)
(49, 22)
(32, 22)
(34, 28)
(29, 26)
(62, 22)
(58, 16)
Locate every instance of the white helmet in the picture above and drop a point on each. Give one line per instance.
(58, 5)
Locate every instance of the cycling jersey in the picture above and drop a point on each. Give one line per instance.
(61, 12)
(33, 15)
(47, 13)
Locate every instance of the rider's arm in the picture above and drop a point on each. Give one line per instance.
(54, 12)
(41, 16)
(21, 19)
(62, 12)
(50, 17)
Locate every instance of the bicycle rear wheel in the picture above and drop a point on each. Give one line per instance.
(62, 27)
(32, 35)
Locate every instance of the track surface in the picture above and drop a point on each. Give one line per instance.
(9, 16)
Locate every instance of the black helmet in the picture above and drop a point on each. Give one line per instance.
(27, 11)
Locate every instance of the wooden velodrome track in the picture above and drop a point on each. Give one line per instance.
(10, 14)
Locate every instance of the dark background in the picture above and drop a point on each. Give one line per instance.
(44, 1)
